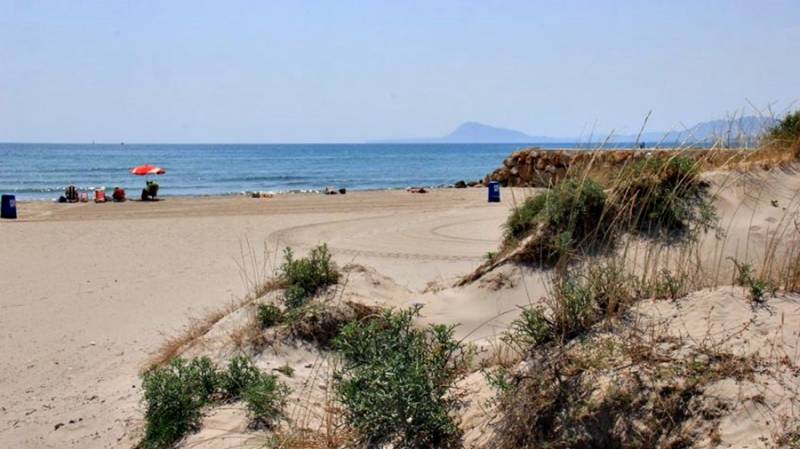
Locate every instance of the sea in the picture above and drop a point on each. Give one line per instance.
(41, 171)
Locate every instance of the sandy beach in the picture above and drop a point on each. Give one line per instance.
(90, 290)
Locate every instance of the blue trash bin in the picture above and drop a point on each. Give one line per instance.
(494, 192)
(8, 207)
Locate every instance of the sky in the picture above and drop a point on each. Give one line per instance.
(352, 71)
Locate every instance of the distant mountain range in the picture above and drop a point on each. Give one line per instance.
(740, 129)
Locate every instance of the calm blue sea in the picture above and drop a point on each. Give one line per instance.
(41, 171)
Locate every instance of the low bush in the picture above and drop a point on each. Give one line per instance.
(572, 306)
(571, 217)
(397, 382)
(174, 396)
(265, 399)
(657, 195)
(786, 131)
(664, 284)
(530, 329)
(304, 277)
(269, 315)
(758, 289)
(240, 374)
(580, 297)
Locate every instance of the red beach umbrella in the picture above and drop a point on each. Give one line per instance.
(146, 169)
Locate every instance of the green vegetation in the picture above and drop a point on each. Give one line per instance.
(581, 296)
(787, 131)
(397, 381)
(653, 196)
(240, 374)
(758, 288)
(269, 315)
(530, 329)
(304, 277)
(656, 195)
(568, 218)
(265, 399)
(175, 394)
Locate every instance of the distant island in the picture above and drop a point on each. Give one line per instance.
(739, 129)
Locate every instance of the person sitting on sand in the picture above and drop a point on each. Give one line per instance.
(71, 194)
(118, 195)
(150, 191)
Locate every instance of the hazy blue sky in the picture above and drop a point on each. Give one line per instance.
(341, 71)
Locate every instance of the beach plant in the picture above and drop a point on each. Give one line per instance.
(787, 130)
(240, 374)
(173, 396)
(657, 195)
(397, 381)
(269, 315)
(530, 329)
(758, 288)
(569, 219)
(265, 398)
(304, 277)
(579, 297)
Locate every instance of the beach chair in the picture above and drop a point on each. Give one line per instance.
(99, 196)
(71, 194)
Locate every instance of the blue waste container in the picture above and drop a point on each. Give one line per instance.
(8, 207)
(494, 192)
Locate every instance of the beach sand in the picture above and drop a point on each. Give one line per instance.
(89, 291)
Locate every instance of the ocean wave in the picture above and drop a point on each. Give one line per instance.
(263, 178)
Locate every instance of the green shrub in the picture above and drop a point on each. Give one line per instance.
(580, 297)
(659, 194)
(787, 130)
(306, 276)
(571, 217)
(611, 288)
(241, 373)
(174, 396)
(572, 304)
(269, 315)
(758, 288)
(670, 285)
(265, 399)
(203, 377)
(530, 329)
(397, 381)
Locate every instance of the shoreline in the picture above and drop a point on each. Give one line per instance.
(245, 194)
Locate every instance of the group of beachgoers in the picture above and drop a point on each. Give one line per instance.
(73, 195)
